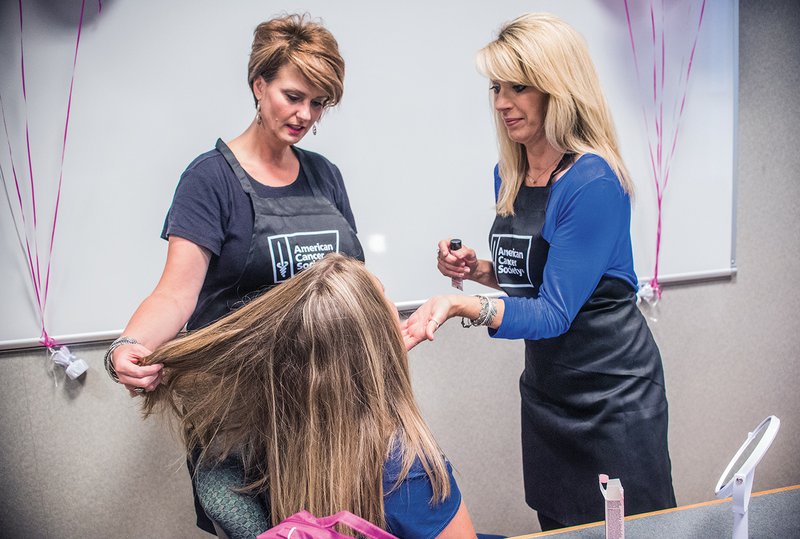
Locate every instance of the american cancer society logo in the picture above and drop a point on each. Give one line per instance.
(510, 254)
(292, 253)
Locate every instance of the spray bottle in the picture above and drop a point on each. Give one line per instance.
(456, 282)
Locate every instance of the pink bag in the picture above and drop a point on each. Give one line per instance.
(304, 525)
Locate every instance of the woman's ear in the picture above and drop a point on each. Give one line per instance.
(259, 87)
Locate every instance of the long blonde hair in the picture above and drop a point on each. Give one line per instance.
(310, 385)
(542, 51)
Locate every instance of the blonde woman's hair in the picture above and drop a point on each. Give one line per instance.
(542, 51)
(307, 45)
(310, 385)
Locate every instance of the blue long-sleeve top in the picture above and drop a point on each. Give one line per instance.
(587, 224)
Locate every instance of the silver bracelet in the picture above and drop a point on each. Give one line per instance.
(485, 316)
(491, 312)
(109, 365)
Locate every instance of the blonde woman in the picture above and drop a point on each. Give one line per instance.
(241, 210)
(307, 390)
(593, 397)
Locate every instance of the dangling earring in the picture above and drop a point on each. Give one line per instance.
(258, 113)
(314, 128)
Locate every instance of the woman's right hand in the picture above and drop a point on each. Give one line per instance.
(163, 313)
(461, 264)
(126, 360)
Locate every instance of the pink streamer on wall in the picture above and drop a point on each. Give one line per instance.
(661, 160)
(40, 289)
(19, 199)
(63, 152)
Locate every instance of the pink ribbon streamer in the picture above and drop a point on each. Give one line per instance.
(659, 162)
(63, 152)
(41, 292)
(19, 199)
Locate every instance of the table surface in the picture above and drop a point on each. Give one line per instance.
(772, 514)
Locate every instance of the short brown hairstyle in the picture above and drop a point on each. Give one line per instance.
(309, 46)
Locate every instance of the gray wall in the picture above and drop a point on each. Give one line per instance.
(77, 461)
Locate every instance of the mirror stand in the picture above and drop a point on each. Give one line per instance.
(742, 487)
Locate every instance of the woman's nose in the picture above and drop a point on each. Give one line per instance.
(500, 102)
(304, 112)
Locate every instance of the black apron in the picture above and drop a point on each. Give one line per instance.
(289, 234)
(593, 399)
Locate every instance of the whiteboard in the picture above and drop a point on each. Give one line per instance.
(157, 82)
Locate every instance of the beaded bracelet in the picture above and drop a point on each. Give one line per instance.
(109, 365)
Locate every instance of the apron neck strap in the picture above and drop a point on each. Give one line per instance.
(310, 171)
(566, 160)
(226, 152)
(235, 166)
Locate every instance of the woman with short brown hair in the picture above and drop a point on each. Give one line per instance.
(241, 210)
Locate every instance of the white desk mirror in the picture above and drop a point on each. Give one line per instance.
(737, 479)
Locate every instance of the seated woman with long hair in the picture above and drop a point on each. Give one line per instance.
(302, 400)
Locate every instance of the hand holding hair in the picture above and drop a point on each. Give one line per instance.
(126, 359)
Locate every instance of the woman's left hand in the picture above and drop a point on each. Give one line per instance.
(424, 322)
